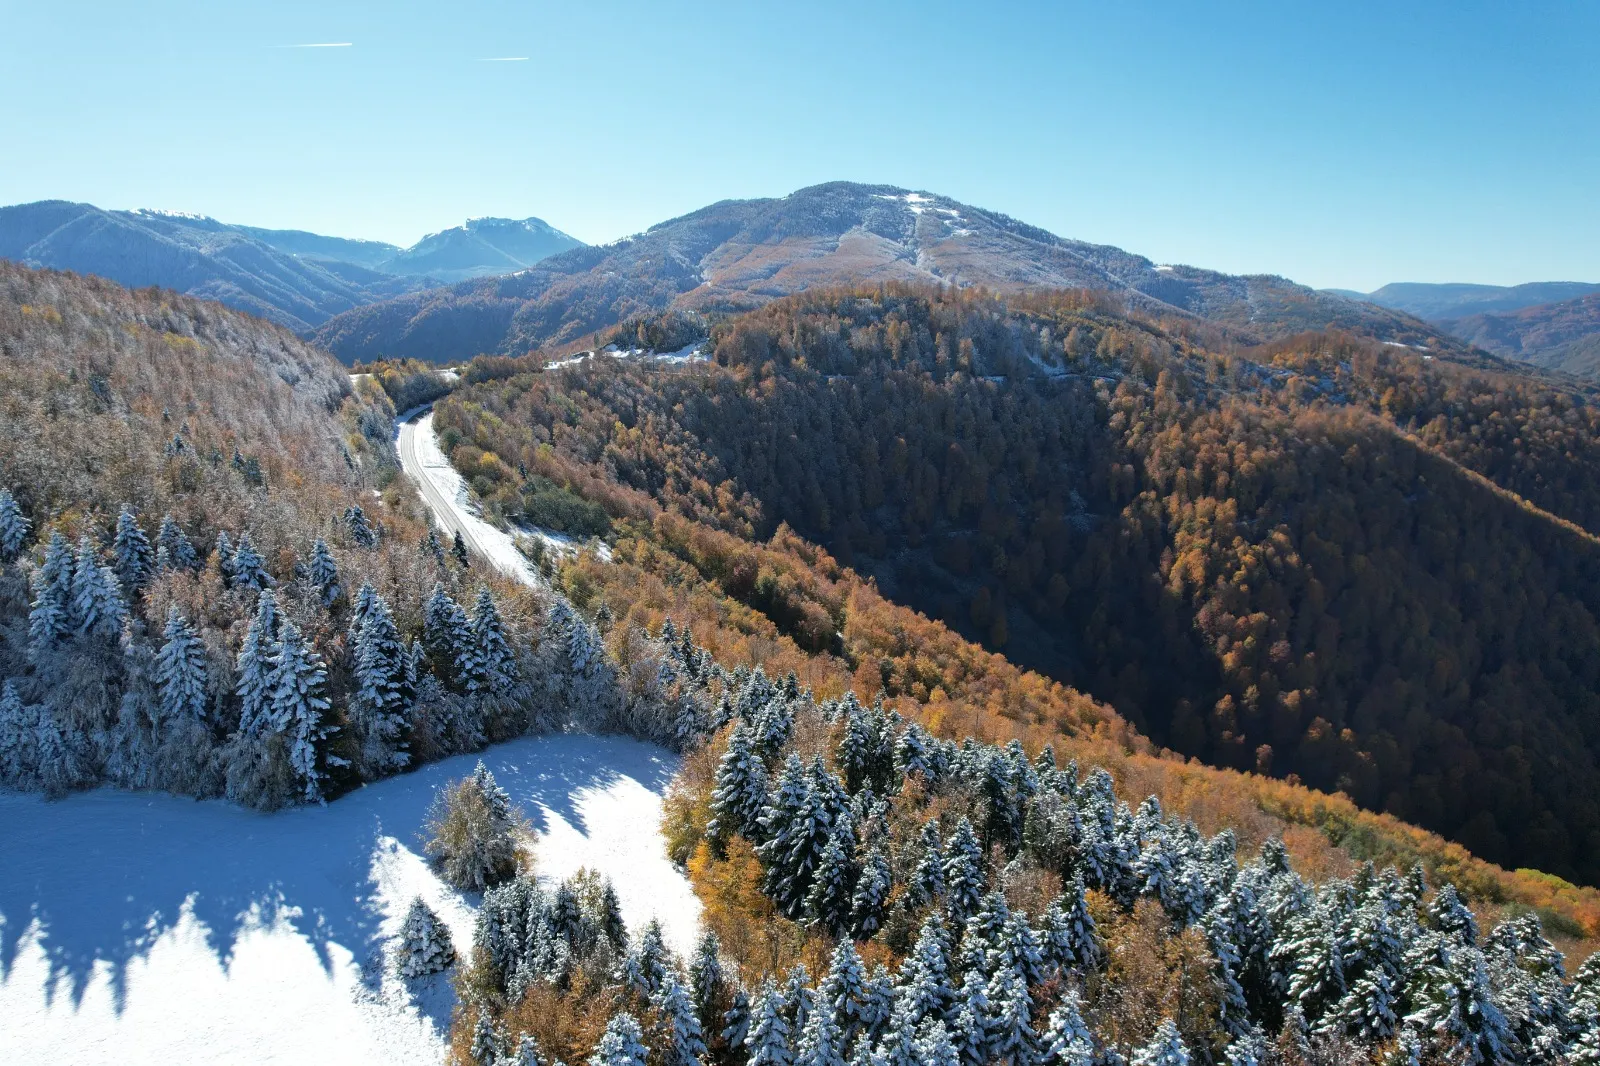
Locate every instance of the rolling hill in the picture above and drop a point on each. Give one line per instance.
(739, 254)
(1558, 336)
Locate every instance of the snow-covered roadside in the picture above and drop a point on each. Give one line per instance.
(445, 493)
(142, 928)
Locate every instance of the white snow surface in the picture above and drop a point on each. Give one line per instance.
(141, 929)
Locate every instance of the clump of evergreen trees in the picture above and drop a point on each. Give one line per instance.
(146, 665)
(1269, 968)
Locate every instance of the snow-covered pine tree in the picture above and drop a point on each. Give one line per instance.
(877, 1004)
(135, 559)
(1067, 1040)
(1454, 1003)
(527, 1053)
(1014, 1041)
(820, 1042)
(458, 549)
(736, 1021)
(871, 900)
(794, 830)
(50, 619)
(610, 918)
(446, 634)
(927, 879)
(58, 765)
(827, 903)
(912, 755)
(224, 552)
(97, 605)
(14, 528)
(925, 988)
(964, 878)
(298, 709)
(1166, 1048)
(706, 979)
(181, 672)
(767, 1040)
(356, 523)
(1070, 941)
(1450, 916)
(492, 668)
(432, 548)
(486, 1042)
(682, 1039)
(19, 727)
(855, 753)
(254, 667)
(740, 793)
(843, 991)
(323, 573)
(425, 946)
(973, 1030)
(1249, 1048)
(649, 964)
(378, 712)
(178, 548)
(249, 570)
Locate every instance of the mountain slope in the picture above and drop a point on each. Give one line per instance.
(741, 253)
(1437, 303)
(1559, 336)
(1308, 560)
(197, 256)
(481, 246)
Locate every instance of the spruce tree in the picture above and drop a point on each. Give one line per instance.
(1165, 1048)
(871, 899)
(1067, 1040)
(486, 1043)
(1014, 1041)
(820, 1042)
(856, 751)
(378, 712)
(323, 573)
(877, 1004)
(527, 1053)
(135, 559)
(50, 619)
(181, 672)
(768, 1038)
(224, 552)
(249, 570)
(97, 605)
(1249, 1049)
(172, 542)
(299, 709)
(740, 792)
(935, 1046)
(827, 903)
(1070, 941)
(19, 725)
(963, 872)
(362, 534)
(14, 528)
(446, 634)
(254, 668)
(492, 669)
(683, 1040)
(973, 1030)
(425, 946)
(706, 979)
(458, 549)
(925, 989)
(927, 880)
(843, 991)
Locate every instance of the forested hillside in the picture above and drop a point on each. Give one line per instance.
(1328, 560)
(213, 581)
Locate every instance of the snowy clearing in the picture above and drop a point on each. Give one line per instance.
(141, 928)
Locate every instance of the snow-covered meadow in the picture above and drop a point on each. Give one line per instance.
(144, 928)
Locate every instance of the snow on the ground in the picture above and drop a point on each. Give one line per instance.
(141, 929)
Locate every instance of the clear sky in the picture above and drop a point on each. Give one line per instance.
(1339, 144)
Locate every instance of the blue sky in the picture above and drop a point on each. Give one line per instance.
(1341, 145)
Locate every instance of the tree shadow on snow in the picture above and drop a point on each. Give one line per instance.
(106, 873)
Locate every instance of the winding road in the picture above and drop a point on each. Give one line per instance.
(445, 494)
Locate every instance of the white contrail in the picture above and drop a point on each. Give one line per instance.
(332, 44)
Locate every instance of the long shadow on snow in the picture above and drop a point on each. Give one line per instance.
(106, 872)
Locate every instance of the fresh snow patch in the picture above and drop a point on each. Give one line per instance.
(141, 929)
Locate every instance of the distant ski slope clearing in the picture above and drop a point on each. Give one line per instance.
(139, 928)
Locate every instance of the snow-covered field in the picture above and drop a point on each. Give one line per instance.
(140, 928)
